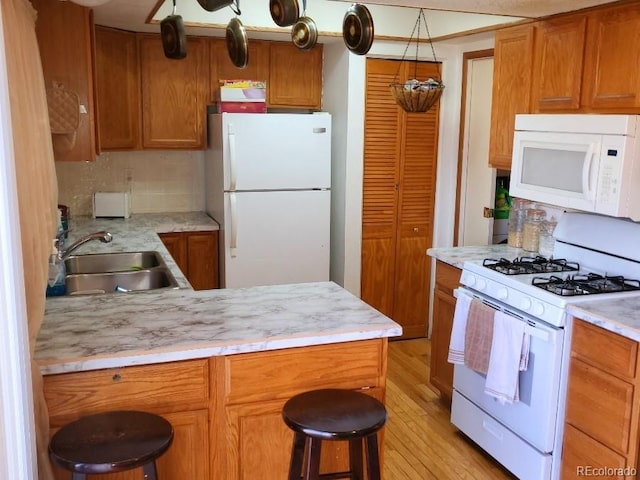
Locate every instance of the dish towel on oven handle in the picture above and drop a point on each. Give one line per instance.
(456, 343)
(509, 356)
(478, 336)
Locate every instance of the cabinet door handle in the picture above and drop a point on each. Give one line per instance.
(116, 377)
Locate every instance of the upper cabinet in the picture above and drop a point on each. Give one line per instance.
(513, 55)
(575, 63)
(222, 68)
(611, 80)
(295, 76)
(557, 64)
(117, 89)
(174, 94)
(64, 31)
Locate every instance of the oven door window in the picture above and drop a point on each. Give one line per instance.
(560, 169)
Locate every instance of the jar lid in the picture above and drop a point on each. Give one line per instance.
(536, 214)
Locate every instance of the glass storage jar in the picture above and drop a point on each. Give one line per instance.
(531, 230)
(546, 241)
(517, 216)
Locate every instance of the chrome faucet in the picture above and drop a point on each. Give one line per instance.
(104, 237)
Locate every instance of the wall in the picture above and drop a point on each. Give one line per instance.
(17, 432)
(158, 181)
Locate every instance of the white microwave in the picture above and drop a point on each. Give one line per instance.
(585, 162)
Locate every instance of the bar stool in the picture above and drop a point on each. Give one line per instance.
(111, 442)
(334, 414)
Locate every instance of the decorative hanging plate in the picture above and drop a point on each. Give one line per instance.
(284, 12)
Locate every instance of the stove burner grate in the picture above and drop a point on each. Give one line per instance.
(588, 284)
(527, 265)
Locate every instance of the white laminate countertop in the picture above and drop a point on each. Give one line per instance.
(456, 256)
(621, 316)
(139, 233)
(105, 331)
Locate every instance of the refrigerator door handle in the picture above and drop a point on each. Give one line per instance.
(232, 160)
(233, 241)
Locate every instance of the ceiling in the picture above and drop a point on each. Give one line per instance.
(132, 14)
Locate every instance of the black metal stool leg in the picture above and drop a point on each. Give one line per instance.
(373, 462)
(297, 455)
(312, 467)
(149, 470)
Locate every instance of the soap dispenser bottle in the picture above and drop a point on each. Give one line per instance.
(56, 282)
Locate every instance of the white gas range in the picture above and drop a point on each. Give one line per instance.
(595, 257)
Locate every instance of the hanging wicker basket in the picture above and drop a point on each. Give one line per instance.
(416, 96)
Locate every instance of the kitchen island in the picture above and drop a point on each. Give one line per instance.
(218, 364)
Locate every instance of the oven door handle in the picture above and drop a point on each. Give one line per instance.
(528, 329)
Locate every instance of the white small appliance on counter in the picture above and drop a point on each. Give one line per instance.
(585, 162)
(111, 205)
(267, 183)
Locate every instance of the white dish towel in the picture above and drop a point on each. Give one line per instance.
(509, 355)
(456, 344)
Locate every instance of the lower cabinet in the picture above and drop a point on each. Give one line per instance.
(603, 402)
(251, 390)
(179, 391)
(196, 254)
(444, 305)
(225, 411)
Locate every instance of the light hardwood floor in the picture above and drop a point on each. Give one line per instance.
(420, 441)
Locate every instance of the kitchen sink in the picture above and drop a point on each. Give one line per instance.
(115, 282)
(113, 262)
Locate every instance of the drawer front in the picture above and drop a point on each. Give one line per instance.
(184, 385)
(611, 352)
(447, 276)
(600, 405)
(284, 373)
(581, 455)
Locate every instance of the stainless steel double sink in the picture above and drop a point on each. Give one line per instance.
(117, 272)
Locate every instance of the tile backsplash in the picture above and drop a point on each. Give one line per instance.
(157, 181)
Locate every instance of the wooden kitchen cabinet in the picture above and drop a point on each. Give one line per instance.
(513, 61)
(444, 305)
(175, 94)
(557, 64)
(611, 81)
(117, 89)
(250, 432)
(179, 391)
(222, 68)
(603, 400)
(295, 76)
(65, 39)
(196, 254)
(400, 156)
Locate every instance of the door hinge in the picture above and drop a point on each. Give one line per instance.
(487, 212)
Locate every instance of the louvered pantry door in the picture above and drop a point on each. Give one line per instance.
(398, 195)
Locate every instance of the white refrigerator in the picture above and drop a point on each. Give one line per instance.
(267, 181)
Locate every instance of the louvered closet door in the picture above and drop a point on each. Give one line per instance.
(398, 196)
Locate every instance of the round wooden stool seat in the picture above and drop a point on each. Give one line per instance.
(111, 442)
(334, 414)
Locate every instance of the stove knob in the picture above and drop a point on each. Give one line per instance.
(481, 284)
(502, 293)
(538, 309)
(469, 279)
(526, 304)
